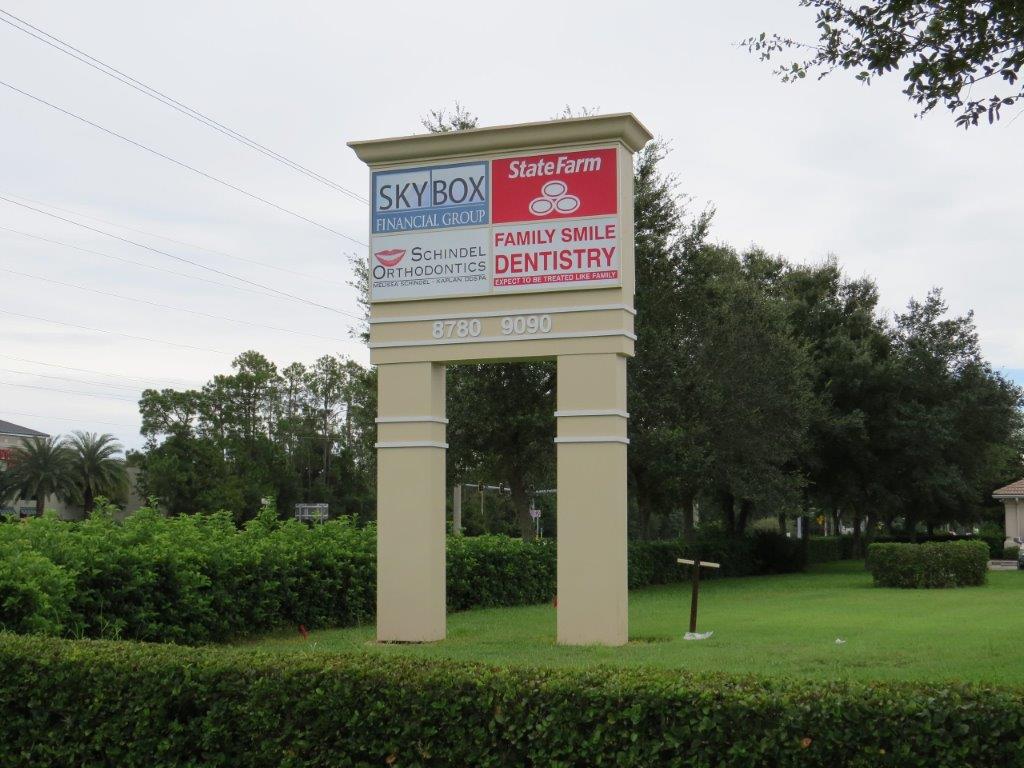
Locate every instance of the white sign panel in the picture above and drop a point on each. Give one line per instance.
(561, 253)
(437, 263)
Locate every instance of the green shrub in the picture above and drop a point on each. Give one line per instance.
(34, 593)
(994, 542)
(1011, 553)
(498, 570)
(824, 549)
(197, 579)
(928, 565)
(77, 703)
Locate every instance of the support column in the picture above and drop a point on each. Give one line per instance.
(593, 599)
(411, 451)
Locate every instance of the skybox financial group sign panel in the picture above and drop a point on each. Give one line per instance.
(513, 224)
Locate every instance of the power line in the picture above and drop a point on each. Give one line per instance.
(167, 306)
(69, 378)
(142, 264)
(187, 244)
(69, 391)
(169, 255)
(131, 82)
(65, 418)
(114, 333)
(172, 382)
(204, 174)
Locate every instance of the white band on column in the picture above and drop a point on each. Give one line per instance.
(411, 419)
(604, 439)
(605, 412)
(411, 444)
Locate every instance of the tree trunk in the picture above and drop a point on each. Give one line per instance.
(40, 504)
(521, 505)
(88, 501)
(746, 510)
(728, 503)
(782, 523)
(689, 532)
(858, 543)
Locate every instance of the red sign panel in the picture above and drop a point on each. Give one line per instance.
(560, 185)
(5, 454)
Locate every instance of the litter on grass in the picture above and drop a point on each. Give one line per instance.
(698, 635)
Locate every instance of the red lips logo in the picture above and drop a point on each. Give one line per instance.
(390, 257)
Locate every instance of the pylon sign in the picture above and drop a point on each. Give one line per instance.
(499, 244)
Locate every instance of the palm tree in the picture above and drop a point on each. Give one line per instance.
(96, 466)
(41, 467)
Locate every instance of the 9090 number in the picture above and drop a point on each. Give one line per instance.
(524, 324)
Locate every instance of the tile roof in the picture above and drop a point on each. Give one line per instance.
(7, 428)
(1012, 490)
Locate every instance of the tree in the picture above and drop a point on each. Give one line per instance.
(666, 451)
(255, 433)
(849, 347)
(952, 426)
(327, 384)
(749, 379)
(96, 465)
(41, 467)
(950, 50)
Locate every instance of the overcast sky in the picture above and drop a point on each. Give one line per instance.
(803, 171)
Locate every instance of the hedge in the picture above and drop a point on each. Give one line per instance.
(197, 579)
(70, 703)
(929, 565)
(826, 549)
(995, 543)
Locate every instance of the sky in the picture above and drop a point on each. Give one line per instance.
(805, 170)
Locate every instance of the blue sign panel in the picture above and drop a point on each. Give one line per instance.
(431, 197)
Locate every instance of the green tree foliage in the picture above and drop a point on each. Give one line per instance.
(295, 435)
(42, 467)
(849, 346)
(952, 52)
(97, 467)
(951, 431)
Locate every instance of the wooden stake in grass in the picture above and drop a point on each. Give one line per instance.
(697, 565)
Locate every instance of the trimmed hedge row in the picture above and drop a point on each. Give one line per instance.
(827, 549)
(68, 703)
(930, 565)
(197, 579)
(994, 543)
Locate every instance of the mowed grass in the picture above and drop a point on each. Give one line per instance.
(768, 625)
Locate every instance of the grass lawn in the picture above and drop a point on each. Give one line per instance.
(767, 625)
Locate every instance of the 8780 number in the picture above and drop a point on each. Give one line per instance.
(459, 329)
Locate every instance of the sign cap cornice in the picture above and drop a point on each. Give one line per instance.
(622, 127)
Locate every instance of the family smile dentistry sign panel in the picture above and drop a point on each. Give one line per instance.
(502, 244)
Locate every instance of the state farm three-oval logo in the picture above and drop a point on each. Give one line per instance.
(555, 186)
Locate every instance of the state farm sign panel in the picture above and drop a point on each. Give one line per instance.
(505, 225)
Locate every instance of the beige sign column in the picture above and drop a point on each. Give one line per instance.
(411, 502)
(591, 446)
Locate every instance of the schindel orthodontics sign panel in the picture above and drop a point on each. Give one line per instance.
(511, 224)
